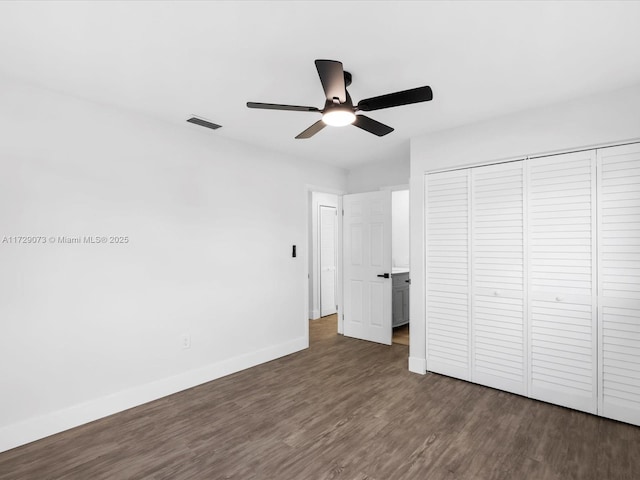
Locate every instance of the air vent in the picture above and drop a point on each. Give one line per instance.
(203, 123)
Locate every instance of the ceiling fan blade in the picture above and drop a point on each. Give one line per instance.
(372, 126)
(277, 106)
(312, 130)
(406, 97)
(332, 79)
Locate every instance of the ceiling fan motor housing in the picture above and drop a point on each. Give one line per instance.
(347, 79)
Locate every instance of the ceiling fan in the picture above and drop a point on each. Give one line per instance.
(338, 108)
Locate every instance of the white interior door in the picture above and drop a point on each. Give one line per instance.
(367, 266)
(448, 273)
(327, 260)
(619, 282)
(498, 329)
(562, 307)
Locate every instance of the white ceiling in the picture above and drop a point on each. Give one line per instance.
(174, 59)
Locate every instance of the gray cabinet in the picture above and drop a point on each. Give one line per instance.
(400, 298)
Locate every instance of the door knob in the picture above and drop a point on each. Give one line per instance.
(384, 275)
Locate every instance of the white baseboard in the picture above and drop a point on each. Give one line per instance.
(32, 429)
(314, 314)
(418, 365)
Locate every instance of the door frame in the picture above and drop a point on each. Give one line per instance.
(319, 199)
(308, 258)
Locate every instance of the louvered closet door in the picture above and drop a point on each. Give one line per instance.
(562, 282)
(619, 281)
(447, 327)
(498, 327)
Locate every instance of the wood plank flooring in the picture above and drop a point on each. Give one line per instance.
(401, 335)
(343, 409)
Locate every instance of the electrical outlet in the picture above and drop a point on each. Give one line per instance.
(186, 340)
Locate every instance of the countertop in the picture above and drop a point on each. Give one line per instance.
(398, 270)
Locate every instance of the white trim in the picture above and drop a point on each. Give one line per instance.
(340, 296)
(396, 188)
(423, 251)
(550, 153)
(418, 365)
(319, 200)
(320, 189)
(20, 433)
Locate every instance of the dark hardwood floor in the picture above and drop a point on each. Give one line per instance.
(343, 409)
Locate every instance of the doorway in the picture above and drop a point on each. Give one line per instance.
(324, 259)
(400, 269)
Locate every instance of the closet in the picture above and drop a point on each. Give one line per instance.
(533, 278)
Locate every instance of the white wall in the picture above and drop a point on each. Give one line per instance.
(372, 176)
(88, 330)
(400, 228)
(599, 119)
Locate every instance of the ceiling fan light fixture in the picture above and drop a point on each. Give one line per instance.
(339, 109)
(338, 117)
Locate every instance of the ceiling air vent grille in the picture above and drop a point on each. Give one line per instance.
(203, 123)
